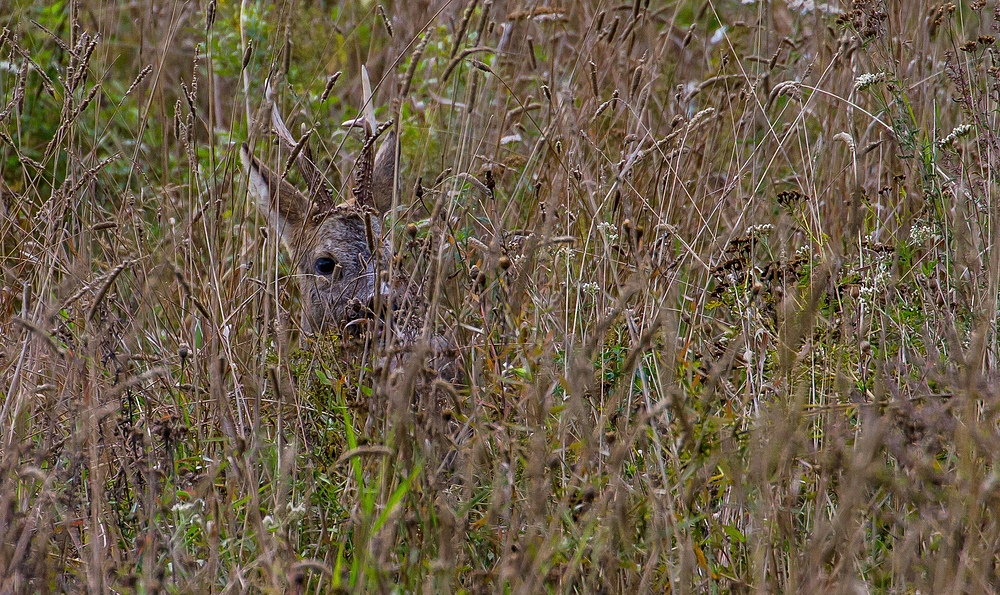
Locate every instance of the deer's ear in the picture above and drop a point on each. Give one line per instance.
(385, 173)
(286, 208)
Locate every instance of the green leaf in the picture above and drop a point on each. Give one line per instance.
(397, 497)
(734, 533)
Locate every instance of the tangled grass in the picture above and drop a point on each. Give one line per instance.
(723, 277)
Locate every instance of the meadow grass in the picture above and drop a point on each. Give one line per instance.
(722, 276)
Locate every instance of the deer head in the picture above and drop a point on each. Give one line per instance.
(336, 246)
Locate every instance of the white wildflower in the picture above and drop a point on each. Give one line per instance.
(868, 80)
(565, 253)
(962, 130)
(876, 280)
(921, 233)
(959, 131)
(609, 230)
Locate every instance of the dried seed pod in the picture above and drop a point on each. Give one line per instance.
(610, 37)
(329, 86)
(246, 54)
(385, 19)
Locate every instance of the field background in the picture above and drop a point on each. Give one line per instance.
(723, 276)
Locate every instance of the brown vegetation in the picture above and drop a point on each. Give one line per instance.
(722, 276)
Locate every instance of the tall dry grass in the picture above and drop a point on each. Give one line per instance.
(723, 277)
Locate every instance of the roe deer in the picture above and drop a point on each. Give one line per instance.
(341, 259)
(337, 248)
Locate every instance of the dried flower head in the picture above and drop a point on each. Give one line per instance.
(790, 198)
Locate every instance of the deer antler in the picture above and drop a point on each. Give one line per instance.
(364, 175)
(314, 179)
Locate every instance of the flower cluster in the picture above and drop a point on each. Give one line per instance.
(868, 80)
(759, 231)
(922, 232)
(959, 131)
(609, 229)
(874, 284)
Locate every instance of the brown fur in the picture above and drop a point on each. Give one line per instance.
(311, 231)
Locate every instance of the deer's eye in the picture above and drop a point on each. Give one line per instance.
(326, 266)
